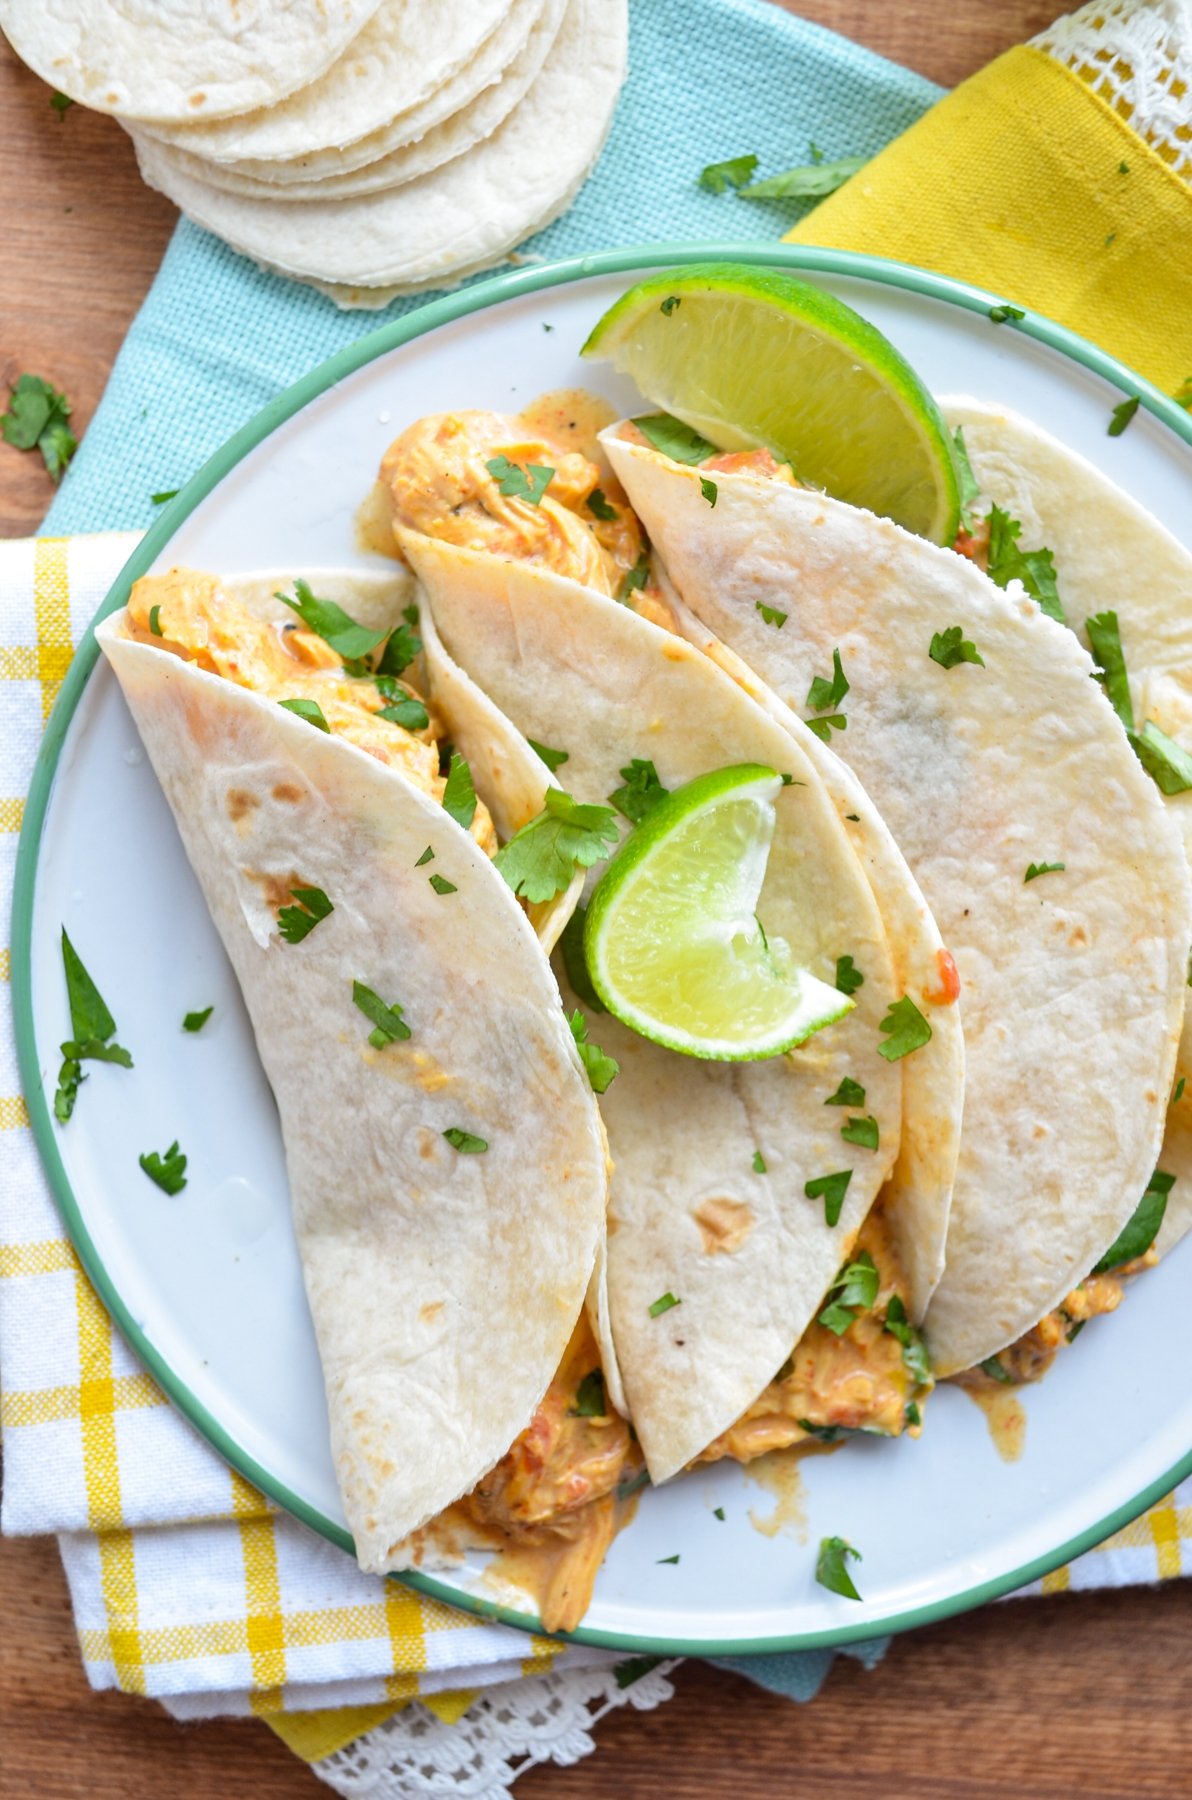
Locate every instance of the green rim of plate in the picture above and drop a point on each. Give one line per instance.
(405, 330)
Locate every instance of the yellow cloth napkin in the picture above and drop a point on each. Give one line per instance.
(1028, 181)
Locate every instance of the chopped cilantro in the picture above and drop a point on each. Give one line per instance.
(428, 855)
(168, 1170)
(1142, 1227)
(598, 506)
(1178, 1095)
(810, 181)
(824, 727)
(553, 759)
(772, 615)
(641, 793)
(733, 172)
(409, 712)
(155, 621)
(91, 1026)
(195, 1021)
(831, 1567)
(950, 647)
(785, 1370)
(541, 858)
(854, 1290)
(911, 1413)
(827, 1434)
(1075, 1327)
(1167, 763)
(663, 1304)
(997, 1370)
(833, 1189)
(1123, 168)
(1034, 568)
(1123, 412)
(966, 481)
(906, 1030)
(1034, 870)
(999, 314)
(708, 489)
(401, 647)
(1105, 642)
(634, 578)
(571, 944)
(634, 1667)
(310, 710)
(331, 623)
(465, 1141)
(297, 922)
(441, 885)
(633, 1484)
(589, 1397)
(517, 481)
(861, 1131)
(36, 419)
(668, 1559)
(60, 103)
(674, 439)
(459, 796)
(848, 979)
(389, 1025)
(914, 1351)
(164, 494)
(1183, 394)
(669, 304)
(718, 1513)
(850, 1092)
(759, 1163)
(825, 695)
(602, 1070)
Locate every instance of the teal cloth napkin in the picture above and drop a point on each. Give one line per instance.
(217, 337)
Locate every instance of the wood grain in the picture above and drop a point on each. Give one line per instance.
(1081, 1695)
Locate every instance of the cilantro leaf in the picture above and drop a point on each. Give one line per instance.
(999, 314)
(759, 1163)
(540, 859)
(409, 712)
(164, 494)
(1167, 763)
(668, 1559)
(827, 1434)
(296, 922)
(36, 419)
(441, 885)
(832, 1188)
(155, 621)
(554, 759)
(518, 481)
(1034, 870)
(906, 1030)
(1034, 568)
(915, 1359)
(401, 647)
(1123, 412)
(676, 440)
(662, 1305)
(824, 695)
(602, 1070)
(966, 482)
(571, 945)
(331, 623)
(389, 1024)
(708, 489)
(810, 181)
(1105, 642)
(733, 172)
(459, 796)
(466, 1142)
(850, 1092)
(598, 506)
(950, 647)
(848, 979)
(861, 1131)
(168, 1170)
(823, 728)
(771, 615)
(854, 1290)
(718, 1513)
(634, 578)
(590, 1402)
(195, 1021)
(831, 1567)
(310, 710)
(89, 1016)
(60, 103)
(997, 1370)
(669, 304)
(1142, 1227)
(642, 790)
(911, 1413)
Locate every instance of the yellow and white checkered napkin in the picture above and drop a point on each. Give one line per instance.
(186, 1584)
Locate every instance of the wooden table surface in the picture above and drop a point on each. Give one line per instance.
(1080, 1694)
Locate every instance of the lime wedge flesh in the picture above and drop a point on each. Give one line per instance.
(672, 939)
(753, 357)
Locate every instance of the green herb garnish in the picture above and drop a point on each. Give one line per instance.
(602, 1070)
(634, 578)
(906, 1030)
(1123, 412)
(331, 623)
(669, 304)
(297, 922)
(1034, 568)
(674, 439)
(827, 1434)
(1034, 870)
(60, 103)
(663, 1304)
(589, 1397)
(168, 1170)
(831, 1567)
(1167, 763)
(541, 858)
(465, 1141)
(310, 710)
(833, 1189)
(718, 1513)
(428, 855)
(518, 481)
(850, 1092)
(164, 494)
(825, 695)
(459, 796)
(91, 1025)
(668, 1559)
(809, 181)
(1105, 641)
(966, 481)
(554, 759)
(441, 885)
(914, 1351)
(389, 1026)
(854, 1290)
(759, 1163)
(409, 712)
(824, 727)
(772, 615)
(996, 1369)
(999, 314)
(155, 621)
(36, 419)
(401, 647)
(861, 1131)
(641, 793)
(598, 506)
(847, 980)
(708, 489)
(1142, 1227)
(951, 647)
(195, 1021)
(733, 172)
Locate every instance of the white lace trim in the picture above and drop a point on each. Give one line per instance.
(547, 1718)
(1137, 54)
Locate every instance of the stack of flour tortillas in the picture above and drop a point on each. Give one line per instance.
(369, 147)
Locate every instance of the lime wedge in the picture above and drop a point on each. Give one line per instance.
(672, 939)
(753, 357)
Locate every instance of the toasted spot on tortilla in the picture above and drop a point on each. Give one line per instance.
(288, 792)
(430, 1312)
(723, 1225)
(240, 803)
(277, 890)
(1079, 936)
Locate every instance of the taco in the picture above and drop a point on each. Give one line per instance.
(1036, 837)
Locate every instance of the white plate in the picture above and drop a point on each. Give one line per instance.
(207, 1286)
